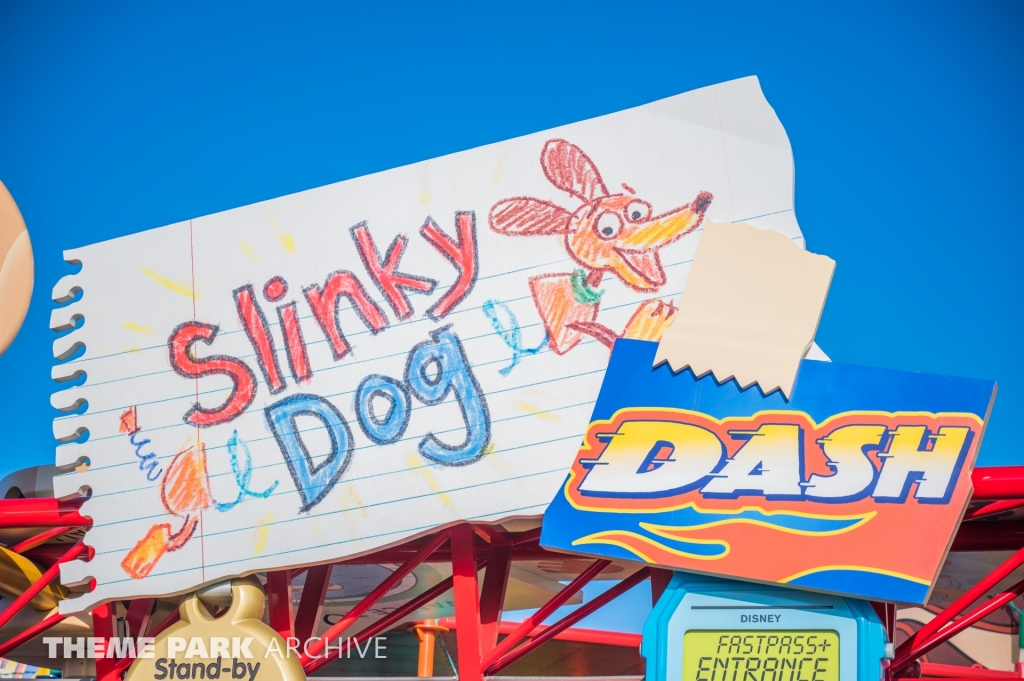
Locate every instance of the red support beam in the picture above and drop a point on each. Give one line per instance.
(492, 597)
(887, 614)
(46, 555)
(998, 483)
(137, 618)
(104, 627)
(1004, 535)
(659, 582)
(311, 604)
(955, 608)
(166, 623)
(172, 618)
(41, 513)
(39, 539)
(545, 610)
(51, 574)
(528, 537)
(315, 648)
(993, 508)
(569, 620)
(467, 602)
(443, 555)
(279, 602)
(385, 623)
(605, 638)
(948, 671)
(936, 639)
(29, 634)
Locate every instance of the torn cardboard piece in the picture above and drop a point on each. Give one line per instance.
(750, 308)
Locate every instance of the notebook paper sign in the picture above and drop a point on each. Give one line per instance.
(750, 310)
(332, 372)
(807, 492)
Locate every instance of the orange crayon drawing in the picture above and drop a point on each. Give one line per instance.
(129, 421)
(185, 491)
(614, 233)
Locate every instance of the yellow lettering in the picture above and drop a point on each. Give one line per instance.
(769, 463)
(852, 471)
(653, 457)
(906, 462)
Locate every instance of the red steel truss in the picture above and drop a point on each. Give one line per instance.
(477, 623)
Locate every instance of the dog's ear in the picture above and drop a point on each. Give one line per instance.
(568, 168)
(523, 216)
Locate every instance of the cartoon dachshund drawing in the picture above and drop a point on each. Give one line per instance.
(614, 233)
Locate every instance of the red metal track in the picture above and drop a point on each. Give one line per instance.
(948, 671)
(998, 483)
(477, 611)
(41, 513)
(577, 635)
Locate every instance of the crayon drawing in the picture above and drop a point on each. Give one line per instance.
(348, 367)
(184, 492)
(614, 233)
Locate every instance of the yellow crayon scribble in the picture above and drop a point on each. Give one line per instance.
(353, 499)
(262, 531)
(130, 348)
(499, 463)
(177, 287)
(538, 412)
(497, 170)
(284, 239)
(317, 530)
(137, 328)
(249, 251)
(425, 191)
(413, 461)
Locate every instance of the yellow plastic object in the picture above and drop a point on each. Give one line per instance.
(18, 573)
(16, 269)
(236, 645)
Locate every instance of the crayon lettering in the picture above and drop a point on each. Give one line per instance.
(434, 370)
(243, 391)
(461, 252)
(313, 481)
(445, 355)
(389, 428)
(385, 274)
(255, 325)
(324, 303)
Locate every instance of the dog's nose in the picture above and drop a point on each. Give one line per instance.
(701, 203)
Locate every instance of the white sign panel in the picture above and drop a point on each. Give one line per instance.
(328, 373)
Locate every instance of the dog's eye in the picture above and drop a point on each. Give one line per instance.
(608, 225)
(638, 211)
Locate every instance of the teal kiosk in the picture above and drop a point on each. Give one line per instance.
(711, 629)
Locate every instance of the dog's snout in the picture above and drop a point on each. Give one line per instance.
(701, 203)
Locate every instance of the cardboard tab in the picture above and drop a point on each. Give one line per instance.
(750, 309)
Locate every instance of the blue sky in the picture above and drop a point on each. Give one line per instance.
(905, 121)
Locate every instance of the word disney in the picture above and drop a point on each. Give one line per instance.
(434, 368)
